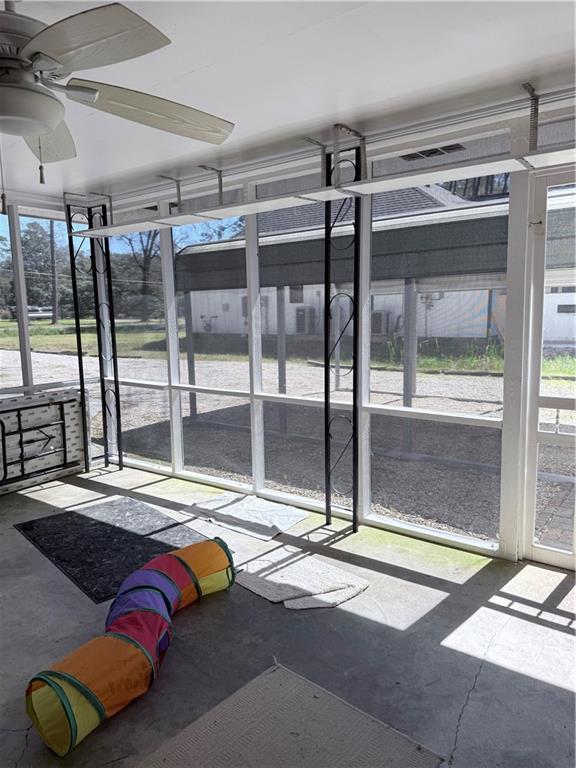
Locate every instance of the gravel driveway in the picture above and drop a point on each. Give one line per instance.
(444, 476)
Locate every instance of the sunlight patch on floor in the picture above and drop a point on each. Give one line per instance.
(395, 603)
(534, 583)
(518, 645)
(61, 495)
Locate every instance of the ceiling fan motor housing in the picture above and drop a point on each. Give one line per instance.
(16, 30)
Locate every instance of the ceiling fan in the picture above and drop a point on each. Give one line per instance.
(35, 57)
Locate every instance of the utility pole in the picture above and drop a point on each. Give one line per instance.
(281, 352)
(55, 303)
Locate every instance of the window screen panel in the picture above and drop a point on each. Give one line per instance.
(443, 476)
(216, 436)
(294, 452)
(555, 501)
(292, 297)
(10, 366)
(212, 305)
(558, 367)
(51, 325)
(145, 424)
(438, 308)
(556, 133)
(139, 306)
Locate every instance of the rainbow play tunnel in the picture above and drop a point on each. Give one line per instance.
(103, 676)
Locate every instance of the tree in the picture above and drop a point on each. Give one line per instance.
(141, 252)
(5, 252)
(227, 229)
(144, 247)
(45, 262)
(6, 282)
(36, 255)
(54, 276)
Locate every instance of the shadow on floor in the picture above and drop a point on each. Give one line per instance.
(430, 652)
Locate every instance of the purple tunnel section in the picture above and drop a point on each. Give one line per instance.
(147, 578)
(142, 599)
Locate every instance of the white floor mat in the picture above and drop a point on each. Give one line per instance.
(282, 720)
(248, 514)
(299, 581)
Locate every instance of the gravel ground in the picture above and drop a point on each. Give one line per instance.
(439, 475)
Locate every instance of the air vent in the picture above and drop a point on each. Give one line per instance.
(433, 152)
(452, 148)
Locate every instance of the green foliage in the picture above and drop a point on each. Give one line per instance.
(136, 339)
(136, 273)
(226, 229)
(4, 247)
(491, 360)
(560, 365)
(6, 283)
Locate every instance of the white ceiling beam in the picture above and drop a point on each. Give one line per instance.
(421, 178)
(263, 205)
(548, 159)
(181, 219)
(120, 229)
(453, 172)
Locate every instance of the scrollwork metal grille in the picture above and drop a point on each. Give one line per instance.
(98, 267)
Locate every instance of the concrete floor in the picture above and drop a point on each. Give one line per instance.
(469, 656)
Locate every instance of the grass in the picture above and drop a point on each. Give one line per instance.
(561, 365)
(135, 339)
(491, 362)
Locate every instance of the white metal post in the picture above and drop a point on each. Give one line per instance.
(363, 317)
(409, 356)
(537, 251)
(254, 342)
(190, 353)
(516, 366)
(537, 265)
(21, 296)
(172, 341)
(281, 350)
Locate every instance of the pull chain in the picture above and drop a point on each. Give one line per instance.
(4, 209)
(41, 167)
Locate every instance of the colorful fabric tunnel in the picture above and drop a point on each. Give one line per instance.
(103, 676)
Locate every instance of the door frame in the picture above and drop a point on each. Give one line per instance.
(536, 273)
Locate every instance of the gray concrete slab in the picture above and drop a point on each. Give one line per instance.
(469, 656)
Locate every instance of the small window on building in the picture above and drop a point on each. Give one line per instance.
(244, 306)
(566, 309)
(296, 294)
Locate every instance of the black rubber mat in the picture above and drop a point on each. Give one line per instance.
(98, 546)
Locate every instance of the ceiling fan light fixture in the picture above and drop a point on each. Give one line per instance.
(28, 109)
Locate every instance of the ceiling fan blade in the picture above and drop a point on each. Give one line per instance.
(53, 147)
(156, 112)
(94, 38)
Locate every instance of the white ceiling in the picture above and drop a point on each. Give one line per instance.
(283, 70)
